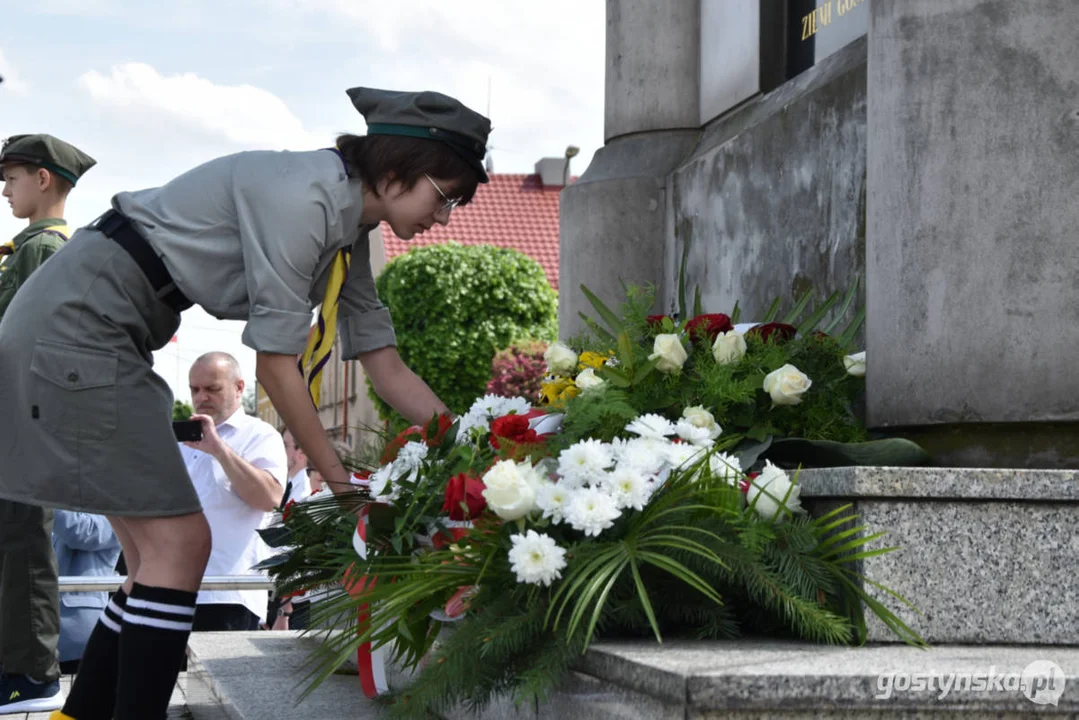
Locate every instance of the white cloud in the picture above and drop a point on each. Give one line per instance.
(83, 8)
(242, 114)
(545, 62)
(12, 81)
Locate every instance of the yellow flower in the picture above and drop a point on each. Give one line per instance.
(557, 391)
(592, 360)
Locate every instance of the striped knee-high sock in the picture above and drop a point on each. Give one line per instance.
(93, 693)
(153, 641)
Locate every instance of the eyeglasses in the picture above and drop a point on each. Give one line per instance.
(450, 205)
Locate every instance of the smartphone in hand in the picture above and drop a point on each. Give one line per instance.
(187, 430)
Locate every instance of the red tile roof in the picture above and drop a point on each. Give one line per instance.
(511, 211)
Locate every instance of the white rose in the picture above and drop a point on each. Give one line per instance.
(508, 494)
(855, 364)
(670, 352)
(699, 417)
(767, 492)
(787, 385)
(729, 348)
(588, 379)
(532, 475)
(560, 359)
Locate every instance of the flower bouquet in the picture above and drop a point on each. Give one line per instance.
(611, 512)
(784, 389)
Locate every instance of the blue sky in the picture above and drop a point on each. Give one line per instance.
(151, 89)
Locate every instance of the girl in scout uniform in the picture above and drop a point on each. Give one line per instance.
(259, 236)
(38, 173)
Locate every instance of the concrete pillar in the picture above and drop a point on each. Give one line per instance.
(653, 74)
(613, 219)
(973, 228)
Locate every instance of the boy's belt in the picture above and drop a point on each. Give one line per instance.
(120, 229)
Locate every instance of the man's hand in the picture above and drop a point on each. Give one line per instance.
(211, 442)
(256, 487)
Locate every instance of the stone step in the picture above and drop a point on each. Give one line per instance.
(177, 703)
(258, 676)
(987, 555)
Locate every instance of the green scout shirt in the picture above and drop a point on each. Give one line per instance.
(253, 236)
(33, 246)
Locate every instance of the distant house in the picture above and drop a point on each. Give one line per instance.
(511, 211)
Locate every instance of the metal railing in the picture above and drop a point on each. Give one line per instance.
(109, 583)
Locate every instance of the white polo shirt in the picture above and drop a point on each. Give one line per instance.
(301, 485)
(236, 545)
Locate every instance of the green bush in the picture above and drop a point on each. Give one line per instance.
(454, 306)
(181, 410)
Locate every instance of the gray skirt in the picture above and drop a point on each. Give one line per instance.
(85, 422)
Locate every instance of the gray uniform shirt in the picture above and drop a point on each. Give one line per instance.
(252, 237)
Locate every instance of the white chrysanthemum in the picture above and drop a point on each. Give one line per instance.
(380, 481)
(536, 558)
(651, 426)
(486, 409)
(469, 422)
(496, 406)
(592, 511)
(725, 467)
(682, 456)
(576, 482)
(645, 455)
(628, 488)
(411, 455)
(699, 436)
(585, 460)
(553, 499)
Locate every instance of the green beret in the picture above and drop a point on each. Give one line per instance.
(429, 115)
(48, 152)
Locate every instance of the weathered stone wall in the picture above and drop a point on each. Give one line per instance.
(973, 226)
(771, 201)
(974, 211)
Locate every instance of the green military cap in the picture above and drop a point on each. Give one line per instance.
(429, 115)
(51, 153)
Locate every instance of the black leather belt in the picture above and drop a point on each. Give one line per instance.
(120, 229)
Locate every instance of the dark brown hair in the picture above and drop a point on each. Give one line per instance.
(60, 184)
(406, 160)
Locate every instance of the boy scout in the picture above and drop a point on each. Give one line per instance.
(259, 236)
(38, 172)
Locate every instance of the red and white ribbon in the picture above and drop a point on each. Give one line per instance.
(372, 663)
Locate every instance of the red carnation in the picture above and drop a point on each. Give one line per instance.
(410, 434)
(709, 326)
(743, 485)
(513, 428)
(445, 421)
(655, 321)
(287, 510)
(782, 332)
(464, 497)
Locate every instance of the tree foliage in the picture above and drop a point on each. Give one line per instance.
(454, 306)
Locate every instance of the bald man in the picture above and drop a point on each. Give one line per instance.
(239, 470)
